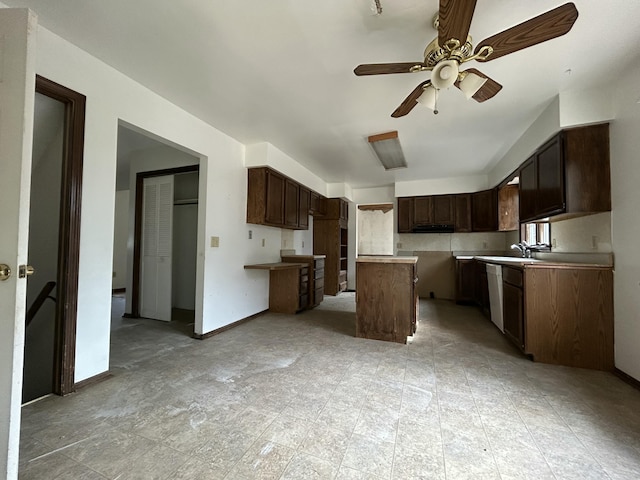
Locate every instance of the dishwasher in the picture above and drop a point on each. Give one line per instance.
(494, 278)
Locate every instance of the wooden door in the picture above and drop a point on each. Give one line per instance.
(550, 171)
(423, 210)
(527, 190)
(463, 212)
(274, 213)
(443, 210)
(291, 200)
(405, 214)
(304, 205)
(484, 211)
(513, 308)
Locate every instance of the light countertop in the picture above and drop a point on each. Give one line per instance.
(385, 259)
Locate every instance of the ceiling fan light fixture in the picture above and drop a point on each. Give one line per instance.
(444, 74)
(388, 150)
(428, 98)
(471, 83)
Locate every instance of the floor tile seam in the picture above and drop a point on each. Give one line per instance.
(351, 434)
(83, 465)
(444, 458)
(577, 436)
(484, 430)
(536, 443)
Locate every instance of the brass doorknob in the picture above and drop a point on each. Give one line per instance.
(25, 271)
(5, 271)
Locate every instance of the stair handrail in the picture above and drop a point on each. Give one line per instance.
(39, 301)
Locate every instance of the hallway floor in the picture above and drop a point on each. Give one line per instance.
(297, 397)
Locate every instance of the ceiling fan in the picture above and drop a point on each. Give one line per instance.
(453, 47)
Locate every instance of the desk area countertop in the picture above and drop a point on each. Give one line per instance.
(274, 266)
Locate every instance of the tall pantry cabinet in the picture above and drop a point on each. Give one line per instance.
(330, 236)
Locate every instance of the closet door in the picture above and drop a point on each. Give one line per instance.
(157, 234)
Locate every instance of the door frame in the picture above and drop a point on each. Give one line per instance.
(137, 232)
(68, 232)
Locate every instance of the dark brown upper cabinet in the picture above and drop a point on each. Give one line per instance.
(423, 210)
(276, 200)
(405, 214)
(443, 210)
(291, 203)
(454, 210)
(568, 176)
(463, 212)
(318, 204)
(508, 212)
(484, 210)
(304, 208)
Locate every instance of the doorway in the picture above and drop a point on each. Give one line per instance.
(179, 276)
(167, 177)
(375, 229)
(54, 241)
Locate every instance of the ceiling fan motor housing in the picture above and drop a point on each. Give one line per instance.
(445, 74)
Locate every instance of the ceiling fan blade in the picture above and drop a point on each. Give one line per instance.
(487, 91)
(408, 103)
(454, 19)
(385, 68)
(551, 24)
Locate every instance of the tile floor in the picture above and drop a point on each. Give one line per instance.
(297, 397)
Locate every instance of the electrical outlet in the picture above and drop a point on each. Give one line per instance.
(553, 243)
(594, 242)
(484, 245)
(302, 243)
(263, 242)
(215, 242)
(250, 234)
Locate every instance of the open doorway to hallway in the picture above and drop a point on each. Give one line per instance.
(375, 229)
(155, 234)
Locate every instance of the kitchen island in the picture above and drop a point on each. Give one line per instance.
(386, 298)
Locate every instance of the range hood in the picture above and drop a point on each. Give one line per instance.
(432, 228)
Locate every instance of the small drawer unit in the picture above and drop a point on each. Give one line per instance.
(311, 279)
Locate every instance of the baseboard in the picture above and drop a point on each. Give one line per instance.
(627, 378)
(217, 331)
(118, 290)
(129, 315)
(101, 377)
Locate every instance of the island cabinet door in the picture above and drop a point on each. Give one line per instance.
(385, 302)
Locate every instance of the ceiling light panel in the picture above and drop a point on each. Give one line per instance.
(387, 148)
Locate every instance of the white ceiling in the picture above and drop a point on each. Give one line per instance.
(281, 71)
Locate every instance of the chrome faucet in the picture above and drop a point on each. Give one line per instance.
(523, 248)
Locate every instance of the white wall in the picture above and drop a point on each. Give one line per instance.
(437, 186)
(225, 291)
(264, 154)
(589, 234)
(547, 124)
(625, 220)
(120, 239)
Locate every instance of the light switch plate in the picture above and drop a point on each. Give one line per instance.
(215, 241)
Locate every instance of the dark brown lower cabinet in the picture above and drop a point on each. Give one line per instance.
(561, 313)
(466, 281)
(311, 278)
(386, 298)
(513, 313)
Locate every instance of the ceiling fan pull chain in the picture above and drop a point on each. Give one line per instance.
(435, 102)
